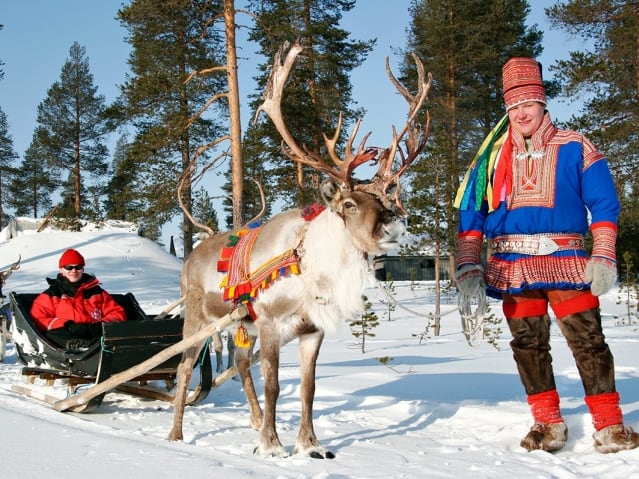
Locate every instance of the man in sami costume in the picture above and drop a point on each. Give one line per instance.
(533, 191)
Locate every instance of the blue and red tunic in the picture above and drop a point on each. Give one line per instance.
(556, 183)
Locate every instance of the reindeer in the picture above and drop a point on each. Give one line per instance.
(5, 335)
(5, 273)
(330, 246)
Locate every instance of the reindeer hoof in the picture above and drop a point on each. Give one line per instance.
(316, 451)
(319, 455)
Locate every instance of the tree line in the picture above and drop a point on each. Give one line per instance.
(174, 114)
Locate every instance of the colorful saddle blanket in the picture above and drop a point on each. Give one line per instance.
(241, 285)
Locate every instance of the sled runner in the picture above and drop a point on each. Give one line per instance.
(123, 347)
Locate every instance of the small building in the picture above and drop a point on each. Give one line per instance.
(410, 267)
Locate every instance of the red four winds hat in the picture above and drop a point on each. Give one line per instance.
(70, 256)
(522, 82)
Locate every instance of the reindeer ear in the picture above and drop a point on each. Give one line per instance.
(330, 191)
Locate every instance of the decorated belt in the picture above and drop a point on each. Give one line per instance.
(539, 244)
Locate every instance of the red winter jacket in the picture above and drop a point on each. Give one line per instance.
(63, 301)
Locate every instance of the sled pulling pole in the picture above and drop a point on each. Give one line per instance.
(170, 308)
(79, 400)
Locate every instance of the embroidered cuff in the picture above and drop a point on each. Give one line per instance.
(604, 242)
(469, 248)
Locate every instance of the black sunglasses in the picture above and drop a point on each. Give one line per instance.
(76, 267)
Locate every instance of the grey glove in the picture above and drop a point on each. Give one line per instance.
(472, 290)
(470, 280)
(602, 274)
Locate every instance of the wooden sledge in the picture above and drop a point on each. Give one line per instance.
(131, 354)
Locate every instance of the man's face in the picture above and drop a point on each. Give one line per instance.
(527, 117)
(73, 273)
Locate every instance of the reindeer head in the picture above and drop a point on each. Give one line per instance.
(5, 273)
(392, 161)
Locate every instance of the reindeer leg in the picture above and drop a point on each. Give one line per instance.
(218, 348)
(193, 319)
(243, 363)
(184, 372)
(307, 442)
(230, 348)
(269, 443)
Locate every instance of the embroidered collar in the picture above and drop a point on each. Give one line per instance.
(539, 139)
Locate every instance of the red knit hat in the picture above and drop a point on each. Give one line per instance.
(522, 82)
(70, 256)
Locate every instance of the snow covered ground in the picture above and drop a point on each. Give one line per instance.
(404, 408)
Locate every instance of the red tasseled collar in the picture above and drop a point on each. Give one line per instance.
(312, 210)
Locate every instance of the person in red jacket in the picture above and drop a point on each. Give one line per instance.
(70, 310)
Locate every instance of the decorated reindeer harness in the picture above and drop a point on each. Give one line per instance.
(241, 285)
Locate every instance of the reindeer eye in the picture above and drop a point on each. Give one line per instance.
(350, 205)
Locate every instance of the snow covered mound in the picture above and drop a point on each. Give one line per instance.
(122, 260)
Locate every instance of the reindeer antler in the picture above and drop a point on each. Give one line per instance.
(272, 106)
(415, 141)
(342, 172)
(5, 273)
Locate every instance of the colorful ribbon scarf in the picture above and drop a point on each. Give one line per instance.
(477, 178)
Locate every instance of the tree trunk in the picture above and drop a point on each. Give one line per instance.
(438, 291)
(234, 112)
(77, 183)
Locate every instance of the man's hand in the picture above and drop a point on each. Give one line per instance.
(470, 280)
(601, 273)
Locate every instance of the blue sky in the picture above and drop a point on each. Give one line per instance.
(37, 35)
(34, 48)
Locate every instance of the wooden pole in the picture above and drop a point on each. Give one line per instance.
(124, 376)
(232, 371)
(170, 308)
(46, 220)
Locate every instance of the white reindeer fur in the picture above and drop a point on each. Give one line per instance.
(330, 253)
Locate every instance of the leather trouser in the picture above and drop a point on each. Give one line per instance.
(531, 349)
(583, 333)
(591, 352)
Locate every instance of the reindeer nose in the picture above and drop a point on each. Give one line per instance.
(394, 230)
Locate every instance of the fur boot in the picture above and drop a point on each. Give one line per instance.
(615, 438)
(547, 437)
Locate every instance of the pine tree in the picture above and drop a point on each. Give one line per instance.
(203, 209)
(492, 328)
(389, 299)
(7, 156)
(363, 326)
(1, 62)
(122, 192)
(172, 42)
(318, 90)
(254, 160)
(32, 183)
(464, 44)
(603, 77)
(628, 285)
(72, 127)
